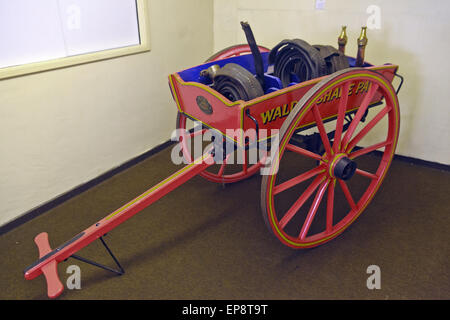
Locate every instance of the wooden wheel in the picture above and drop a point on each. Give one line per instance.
(233, 51)
(311, 197)
(221, 173)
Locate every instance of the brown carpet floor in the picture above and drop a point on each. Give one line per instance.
(204, 241)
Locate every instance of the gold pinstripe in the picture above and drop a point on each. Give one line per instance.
(338, 156)
(228, 103)
(159, 185)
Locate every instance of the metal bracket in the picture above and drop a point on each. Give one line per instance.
(255, 143)
(119, 272)
(401, 82)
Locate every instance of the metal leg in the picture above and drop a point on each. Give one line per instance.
(119, 272)
(401, 82)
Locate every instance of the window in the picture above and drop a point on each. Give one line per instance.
(48, 34)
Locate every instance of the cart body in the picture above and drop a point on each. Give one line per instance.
(291, 109)
(269, 110)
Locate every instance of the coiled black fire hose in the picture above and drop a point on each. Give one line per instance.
(297, 61)
(334, 59)
(293, 60)
(236, 83)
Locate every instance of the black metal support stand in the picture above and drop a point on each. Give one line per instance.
(401, 82)
(119, 272)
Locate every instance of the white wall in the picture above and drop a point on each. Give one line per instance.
(413, 34)
(61, 128)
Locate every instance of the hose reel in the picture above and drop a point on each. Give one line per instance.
(334, 59)
(294, 61)
(234, 82)
(297, 61)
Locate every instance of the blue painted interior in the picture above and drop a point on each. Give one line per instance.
(246, 61)
(272, 83)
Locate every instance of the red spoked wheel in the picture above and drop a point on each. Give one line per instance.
(234, 51)
(224, 172)
(309, 207)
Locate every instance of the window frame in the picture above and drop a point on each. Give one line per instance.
(35, 67)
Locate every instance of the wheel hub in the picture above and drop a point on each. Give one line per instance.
(342, 167)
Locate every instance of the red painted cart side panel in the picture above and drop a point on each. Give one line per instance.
(269, 110)
(275, 107)
(225, 114)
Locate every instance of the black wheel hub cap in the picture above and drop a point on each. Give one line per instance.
(344, 168)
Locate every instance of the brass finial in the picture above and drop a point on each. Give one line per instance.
(362, 40)
(362, 43)
(342, 39)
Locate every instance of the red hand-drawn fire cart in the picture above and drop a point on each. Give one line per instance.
(316, 109)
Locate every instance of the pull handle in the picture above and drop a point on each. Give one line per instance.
(50, 270)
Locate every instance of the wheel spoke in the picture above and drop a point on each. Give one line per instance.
(298, 179)
(363, 151)
(303, 152)
(368, 127)
(320, 126)
(347, 194)
(197, 133)
(313, 210)
(301, 200)
(218, 174)
(244, 164)
(221, 170)
(359, 114)
(312, 206)
(185, 150)
(330, 205)
(342, 107)
(222, 166)
(186, 138)
(366, 174)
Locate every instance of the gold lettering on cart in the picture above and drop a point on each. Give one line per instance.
(277, 112)
(283, 111)
(334, 94)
